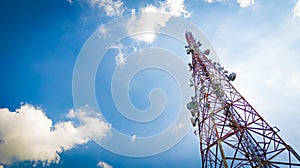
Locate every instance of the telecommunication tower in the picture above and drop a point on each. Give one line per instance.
(231, 132)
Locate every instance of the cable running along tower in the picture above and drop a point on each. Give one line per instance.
(231, 132)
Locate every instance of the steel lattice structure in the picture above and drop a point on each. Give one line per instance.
(231, 132)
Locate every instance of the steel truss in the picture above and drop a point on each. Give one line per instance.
(231, 132)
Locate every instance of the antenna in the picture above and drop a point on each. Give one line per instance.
(231, 132)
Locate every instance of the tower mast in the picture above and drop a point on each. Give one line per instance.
(231, 132)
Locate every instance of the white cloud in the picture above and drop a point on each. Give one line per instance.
(297, 9)
(245, 3)
(27, 134)
(242, 3)
(212, 1)
(70, 1)
(123, 51)
(93, 123)
(174, 7)
(111, 8)
(71, 114)
(103, 165)
(120, 58)
(178, 127)
(103, 32)
(150, 23)
(133, 138)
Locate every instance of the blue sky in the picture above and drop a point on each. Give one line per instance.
(43, 42)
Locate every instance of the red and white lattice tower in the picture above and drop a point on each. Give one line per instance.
(231, 132)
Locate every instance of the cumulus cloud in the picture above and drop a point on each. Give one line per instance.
(93, 123)
(174, 7)
(120, 58)
(242, 3)
(245, 3)
(71, 114)
(110, 7)
(123, 52)
(297, 9)
(102, 31)
(103, 165)
(27, 134)
(212, 1)
(150, 23)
